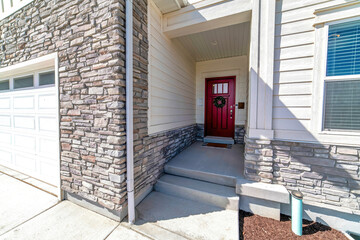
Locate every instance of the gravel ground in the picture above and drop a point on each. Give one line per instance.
(256, 227)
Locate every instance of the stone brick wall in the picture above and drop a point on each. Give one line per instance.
(323, 173)
(89, 38)
(158, 149)
(200, 130)
(239, 134)
(150, 152)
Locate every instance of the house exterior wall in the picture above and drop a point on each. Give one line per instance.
(171, 80)
(296, 72)
(324, 167)
(324, 173)
(89, 39)
(153, 150)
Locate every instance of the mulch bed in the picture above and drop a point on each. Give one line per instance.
(256, 227)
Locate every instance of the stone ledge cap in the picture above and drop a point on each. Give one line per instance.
(271, 192)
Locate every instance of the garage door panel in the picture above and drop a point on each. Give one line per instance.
(5, 121)
(5, 103)
(47, 146)
(47, 124)
(47, 170)
(47, 101)
(25, 163)
(5, 157)
(29, 132)
(24, 122)
(5, 138)
(25, 142)
(24, 102)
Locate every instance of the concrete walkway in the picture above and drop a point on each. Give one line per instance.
(164, 217)
(30, 180)
(20, 202)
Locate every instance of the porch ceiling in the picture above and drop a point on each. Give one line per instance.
(222, 42)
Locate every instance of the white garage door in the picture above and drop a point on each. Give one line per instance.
(28, 126)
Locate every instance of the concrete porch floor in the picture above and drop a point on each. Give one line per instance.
(218, 165)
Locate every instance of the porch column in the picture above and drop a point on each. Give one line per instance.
(261, 67)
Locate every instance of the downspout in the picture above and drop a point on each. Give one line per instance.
(129, 111)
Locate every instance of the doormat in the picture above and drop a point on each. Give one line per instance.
(217, 145)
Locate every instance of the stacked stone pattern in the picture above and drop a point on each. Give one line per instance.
(88, 36)
(327, 174)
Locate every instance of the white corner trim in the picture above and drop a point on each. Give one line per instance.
(261, 66)
(260, 134)
(129, 112)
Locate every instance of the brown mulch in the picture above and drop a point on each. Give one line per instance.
(256, 227)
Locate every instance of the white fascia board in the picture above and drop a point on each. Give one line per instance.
(206, 15)
(39, 63)
(17, 5)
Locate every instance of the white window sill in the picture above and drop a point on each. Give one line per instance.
(339, 133)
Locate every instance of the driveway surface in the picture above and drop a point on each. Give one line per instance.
(27, 213)
(20, 202)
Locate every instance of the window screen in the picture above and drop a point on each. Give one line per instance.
(23, 82)
(46, 78)
(342, 105)
(343, 49)
(4, 85)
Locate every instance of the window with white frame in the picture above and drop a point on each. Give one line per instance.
(342, 80)
(28, 81)
(8, 7)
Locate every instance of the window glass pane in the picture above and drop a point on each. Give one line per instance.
(46, 78)
(24, 82)
(225, 87)
(220, 88)
(342, 105)
(4, 85)
(343, 49)
(215, 88)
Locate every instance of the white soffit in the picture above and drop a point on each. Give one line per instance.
(222, 42)
(166, 6)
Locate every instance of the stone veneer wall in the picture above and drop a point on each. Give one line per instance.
(158, 149)
(323, 173)
(89, 38)
(150, 152)
(239, 133)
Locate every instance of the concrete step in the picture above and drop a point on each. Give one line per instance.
(265, 191)
(167, 215)
(221, 140)
(220, 179)
(200, 191)
(262, 198)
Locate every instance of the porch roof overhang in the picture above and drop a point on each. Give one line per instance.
(205, 15)
(166, 6)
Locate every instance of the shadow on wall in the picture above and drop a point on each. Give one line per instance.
(325, 173)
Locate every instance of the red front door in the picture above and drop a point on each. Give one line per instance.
(220, 107)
